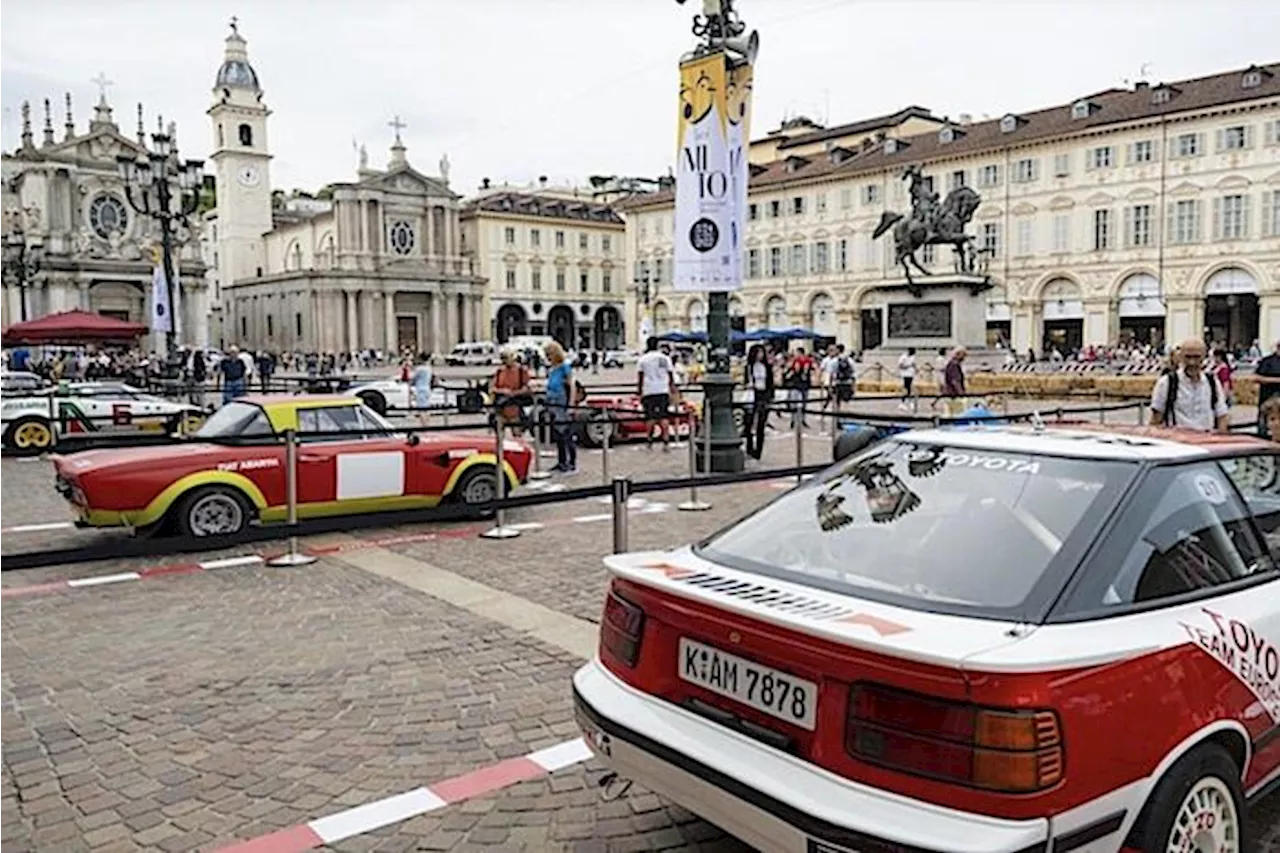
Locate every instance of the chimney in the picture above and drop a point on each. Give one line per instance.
(542, 180)
(965, 119)
(484, 183)
(1141, 85)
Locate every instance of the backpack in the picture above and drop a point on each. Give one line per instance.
(1167, 417)
(844, 370)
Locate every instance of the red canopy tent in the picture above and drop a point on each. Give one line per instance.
(72, 327)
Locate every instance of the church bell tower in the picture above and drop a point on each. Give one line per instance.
(239, 119)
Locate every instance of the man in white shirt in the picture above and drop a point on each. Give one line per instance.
(907, 373)
(827, 372)
(655, 375)
(1196, 401)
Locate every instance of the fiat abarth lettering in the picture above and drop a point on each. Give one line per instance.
(991, 640)
(231, 473)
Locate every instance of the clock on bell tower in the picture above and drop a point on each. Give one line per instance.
(242, 161)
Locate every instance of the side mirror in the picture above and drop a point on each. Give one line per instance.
(414, 439)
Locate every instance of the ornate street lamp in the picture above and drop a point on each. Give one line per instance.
(644, 296)
(149, 184)
(21, 263)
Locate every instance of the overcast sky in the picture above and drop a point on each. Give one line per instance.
(514, 89)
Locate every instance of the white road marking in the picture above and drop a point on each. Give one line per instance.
(228, 562)
(374, 815)
(587, 519)
(527, 525)
(101, 579)
(561, 755)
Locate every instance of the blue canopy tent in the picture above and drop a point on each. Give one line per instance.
(678, 337)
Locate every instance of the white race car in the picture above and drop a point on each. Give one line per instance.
(33, 423)
(989, 640)
(387, 395)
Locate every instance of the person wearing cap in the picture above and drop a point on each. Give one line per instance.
(1267, 373)
(1188, 397)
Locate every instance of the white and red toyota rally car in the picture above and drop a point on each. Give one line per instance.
(990, 639)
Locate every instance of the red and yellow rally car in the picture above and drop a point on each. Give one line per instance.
(232, 471)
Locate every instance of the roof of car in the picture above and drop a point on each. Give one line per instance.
(1092, 441)
(300, 401)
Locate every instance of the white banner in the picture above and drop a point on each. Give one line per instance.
(711, 174)
(160, 308)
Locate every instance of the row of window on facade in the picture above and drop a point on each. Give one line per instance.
(535, 239)
(271, 326)
(1023, 171)
(512, 280)
(1136, 227)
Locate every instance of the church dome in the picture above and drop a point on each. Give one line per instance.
(237, 72)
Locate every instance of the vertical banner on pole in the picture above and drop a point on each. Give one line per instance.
(711, 173)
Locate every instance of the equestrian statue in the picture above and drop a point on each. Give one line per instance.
(931, 223)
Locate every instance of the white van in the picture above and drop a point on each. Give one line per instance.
(479, 352)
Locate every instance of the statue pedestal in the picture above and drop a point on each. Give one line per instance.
(935, 312)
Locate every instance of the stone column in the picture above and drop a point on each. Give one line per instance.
(437, 322)
(389, 333)
(363, 213)
(84, 295)
(449, 307)
(1268, 319)
(353, 329)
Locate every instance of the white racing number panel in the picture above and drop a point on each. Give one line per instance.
(370, 475)
(764, 688)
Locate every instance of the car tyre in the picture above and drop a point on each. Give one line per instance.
(476, 487)
(1200, 795)
(213, 511)
(374, 400)
(29, 436)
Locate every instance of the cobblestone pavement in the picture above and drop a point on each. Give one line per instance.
(190, 711)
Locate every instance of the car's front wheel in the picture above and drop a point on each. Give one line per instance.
(29, 436)
(1198, 805)
(599, 426)
(213, 511)
(477, 487)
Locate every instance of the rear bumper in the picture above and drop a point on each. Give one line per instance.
(767, 798)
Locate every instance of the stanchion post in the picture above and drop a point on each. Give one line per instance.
(1102, 411)
(693, 504)
(500, 529)
(1142, 410)
(604, 448)
(535, 471)
(292, 557)
(706, 437)
(621, 497)
(800, 446)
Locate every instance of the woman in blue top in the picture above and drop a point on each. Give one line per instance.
(559, 397)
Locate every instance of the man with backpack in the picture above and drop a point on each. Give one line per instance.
(1188, 397)
(844, 377)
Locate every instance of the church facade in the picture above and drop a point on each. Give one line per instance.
(376, 264)
(64, 202)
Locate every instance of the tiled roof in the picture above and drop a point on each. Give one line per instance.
(1110, 107)
(550, 207)
(864, 126)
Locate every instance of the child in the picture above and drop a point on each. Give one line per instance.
(1270, 413)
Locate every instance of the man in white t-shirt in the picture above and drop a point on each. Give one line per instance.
(827, 372)
(655, 375)
(907, 373)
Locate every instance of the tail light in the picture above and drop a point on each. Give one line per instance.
(621, 629)
(1012, 751)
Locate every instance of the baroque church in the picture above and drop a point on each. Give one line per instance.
(65, 205)
(372, 263)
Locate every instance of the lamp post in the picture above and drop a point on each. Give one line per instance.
(21, 264)
(721, 33)
(149, 187)
(644, 297)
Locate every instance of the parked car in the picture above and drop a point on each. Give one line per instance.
(231, 474)
(472, 354)
(631, 425)
(988, 639)
(32, 423)
(383, 395)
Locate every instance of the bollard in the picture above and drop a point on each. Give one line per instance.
(292, 557)
(604, 451)
(535, 471)
(500, 529)
(1004, 403)
(1102, 412)
(799, 449)
(621, 496)
(1142, 410)
(693, 504)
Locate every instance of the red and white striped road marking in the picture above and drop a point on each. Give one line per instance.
(361, 819)
(140, 575)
